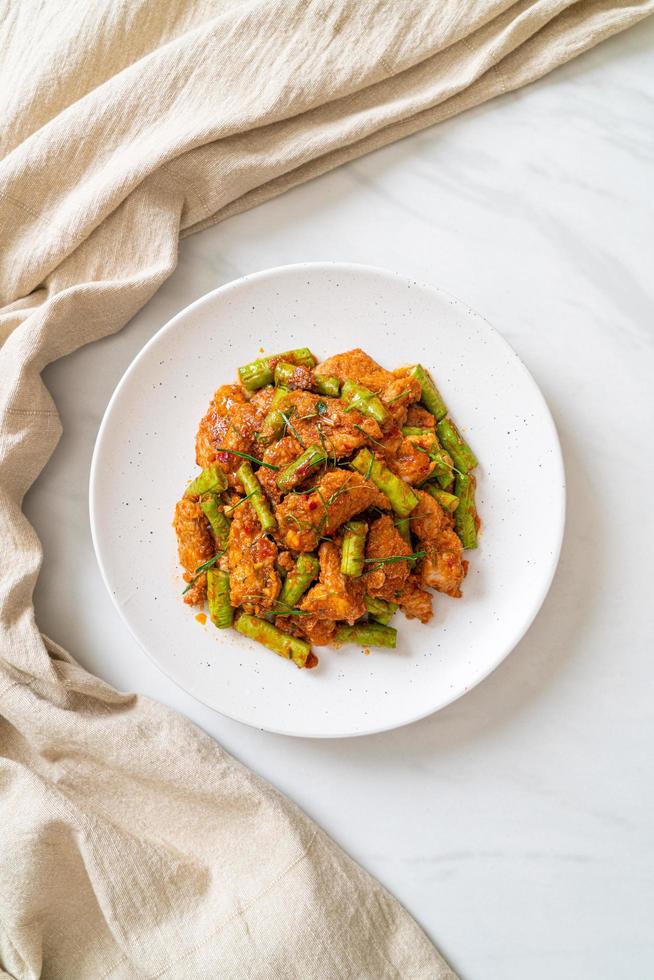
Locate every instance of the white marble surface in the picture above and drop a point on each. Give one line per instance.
(516, 825)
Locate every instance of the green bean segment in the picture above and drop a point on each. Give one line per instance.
(365, 401)
(214, 513)
(258, 499)
(221, 613)
(443, 468)
(453, 442)
(280, 643)
(367, 635)
(354, 548)
(286, 376)
(403, 525)
(279, 396)
(431, 396)
(448, 501)
(300, 468)
(261, 372)
(272, 428)
(401, 496)
(465, 516)
(380, 610)
(326, 385)
(416, 430)
(298, 581)
(211, 480)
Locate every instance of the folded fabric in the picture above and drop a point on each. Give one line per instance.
(132, 845)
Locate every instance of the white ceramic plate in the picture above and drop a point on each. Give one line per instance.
(144, 456)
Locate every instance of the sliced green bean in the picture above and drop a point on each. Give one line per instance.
(456, 446)
(272, 428)
(465, 516)
(367, 635)
(403, 526)
(443, 468)
(286, 376)
(416, 430)
(279, 396)
(221, 612)
(327, 385)
(280, 643)
(431, 396)
(448, 501)
(300, 468)
(211, 480)
(214, 513)
(380, 610)
(401, 496)
(274, 424)
(257, 497)
(261, 372)
(365, 401)
(354, 549)
(298, 581)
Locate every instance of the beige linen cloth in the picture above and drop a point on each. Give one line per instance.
(131, 845)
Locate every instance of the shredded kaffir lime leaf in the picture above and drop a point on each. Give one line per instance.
(397, 397)
(253, 459)
(387, 561)
(232, 507)
(291, 427)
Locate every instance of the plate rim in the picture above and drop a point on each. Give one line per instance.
(334, 265)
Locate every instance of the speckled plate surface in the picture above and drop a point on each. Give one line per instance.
(144, 456)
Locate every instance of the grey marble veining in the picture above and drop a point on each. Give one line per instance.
(516, 825)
